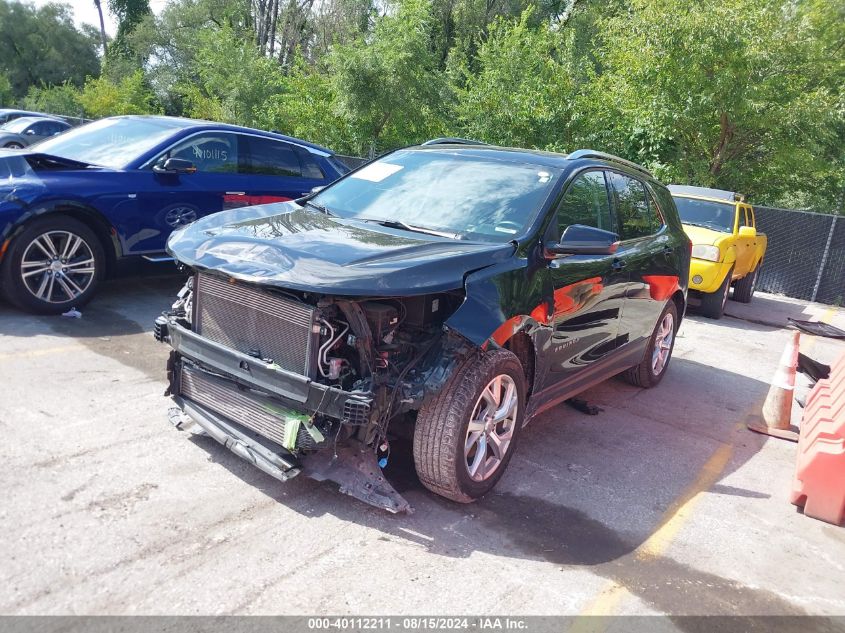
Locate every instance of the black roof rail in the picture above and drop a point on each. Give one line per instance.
(453, 140)
(591, 153)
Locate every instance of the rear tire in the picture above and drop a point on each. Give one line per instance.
(744, 288)
(53, 265)
(13, 146)
(653, 367)
(455, 453)
(713, 304)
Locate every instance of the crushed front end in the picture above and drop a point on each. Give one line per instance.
(302, 382)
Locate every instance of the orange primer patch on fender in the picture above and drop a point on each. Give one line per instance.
(661, 287)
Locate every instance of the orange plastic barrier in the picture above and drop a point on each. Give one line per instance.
(819, 483)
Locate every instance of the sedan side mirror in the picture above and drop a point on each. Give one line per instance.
(317, 189)
(578, 239)
(30, 132)
(747, 231)
(174, 166)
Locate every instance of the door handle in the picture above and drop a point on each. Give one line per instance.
(618, 264)
(236, 193)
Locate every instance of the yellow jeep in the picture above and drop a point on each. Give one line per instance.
(727, 249)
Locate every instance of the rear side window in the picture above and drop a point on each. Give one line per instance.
(637, 218)
(585, 202)
(268, 157)
(310, 168)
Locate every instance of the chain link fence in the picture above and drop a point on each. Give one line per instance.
(805, 258)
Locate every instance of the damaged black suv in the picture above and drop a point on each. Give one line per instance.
(451, 291)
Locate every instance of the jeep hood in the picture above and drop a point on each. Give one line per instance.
(702, 235)
(290, 246)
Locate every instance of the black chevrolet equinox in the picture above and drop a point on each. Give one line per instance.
(449, 292)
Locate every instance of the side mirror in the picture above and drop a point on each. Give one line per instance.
(30, 132)
(578, 239)
(174, 166)
(317, 189)
(747, 231)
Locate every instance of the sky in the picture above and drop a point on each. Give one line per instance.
(84, 11)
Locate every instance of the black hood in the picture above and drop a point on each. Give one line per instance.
(293, 247)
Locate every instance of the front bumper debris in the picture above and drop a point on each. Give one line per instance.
(351, 465)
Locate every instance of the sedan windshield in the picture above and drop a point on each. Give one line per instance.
(111, 143)
(445, 193)
(718, 216)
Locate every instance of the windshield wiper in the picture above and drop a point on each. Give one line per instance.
(398, 224)
(321, 208)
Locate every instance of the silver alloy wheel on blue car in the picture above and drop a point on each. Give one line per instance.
(58, 266)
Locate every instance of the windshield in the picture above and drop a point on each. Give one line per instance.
(718, 216)
(447, 192)
(109, 142)
(17, 126)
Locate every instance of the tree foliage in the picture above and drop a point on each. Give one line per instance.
(740, 94)
(41, 46)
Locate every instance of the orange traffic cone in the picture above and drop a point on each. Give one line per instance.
(777, 409)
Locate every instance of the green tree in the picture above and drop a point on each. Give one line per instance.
(102, 97)
(726, 93)
(41, 46)
(129, 14)
(521, 91)
(60, 99)
(5, 91)
(233, 80)
(387, 84)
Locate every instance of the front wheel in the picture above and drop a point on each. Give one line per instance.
(465, 436)
(652, 368)
(713, 303)
(13, 146)
(53, 265)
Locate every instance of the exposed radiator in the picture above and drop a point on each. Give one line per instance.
(254, 411)
(256, 323)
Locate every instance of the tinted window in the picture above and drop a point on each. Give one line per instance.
(272, 158)
(215, 152)
(475, 197)
(636, 217)
(585, 202)
(310, 168)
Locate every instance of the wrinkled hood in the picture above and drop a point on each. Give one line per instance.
(293, 247)
(701, 235)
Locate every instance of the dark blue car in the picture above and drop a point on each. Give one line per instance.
(75, 206)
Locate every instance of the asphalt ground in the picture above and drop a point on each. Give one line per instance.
(662, 503)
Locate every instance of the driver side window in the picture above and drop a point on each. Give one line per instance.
(215, 152)
(585, 202)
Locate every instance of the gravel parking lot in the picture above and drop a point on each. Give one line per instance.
(663, 503)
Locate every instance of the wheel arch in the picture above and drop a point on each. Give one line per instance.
(680, 304)
(86, 214)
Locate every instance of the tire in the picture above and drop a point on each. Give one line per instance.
(13, 146)
(650, 372)
(33, 275)
(744, 288)
(713, 303)
(442, 431)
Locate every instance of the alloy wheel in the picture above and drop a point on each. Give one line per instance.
(662, 344)
(491, 428)
(58, 266)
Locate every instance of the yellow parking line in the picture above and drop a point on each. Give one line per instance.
(33, 353)
(608, 599)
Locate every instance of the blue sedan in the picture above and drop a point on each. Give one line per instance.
(75, 206)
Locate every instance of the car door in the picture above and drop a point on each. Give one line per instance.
(744, 244)
(647, 250)
(279, 171)
(166, 201)
(589, 290)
